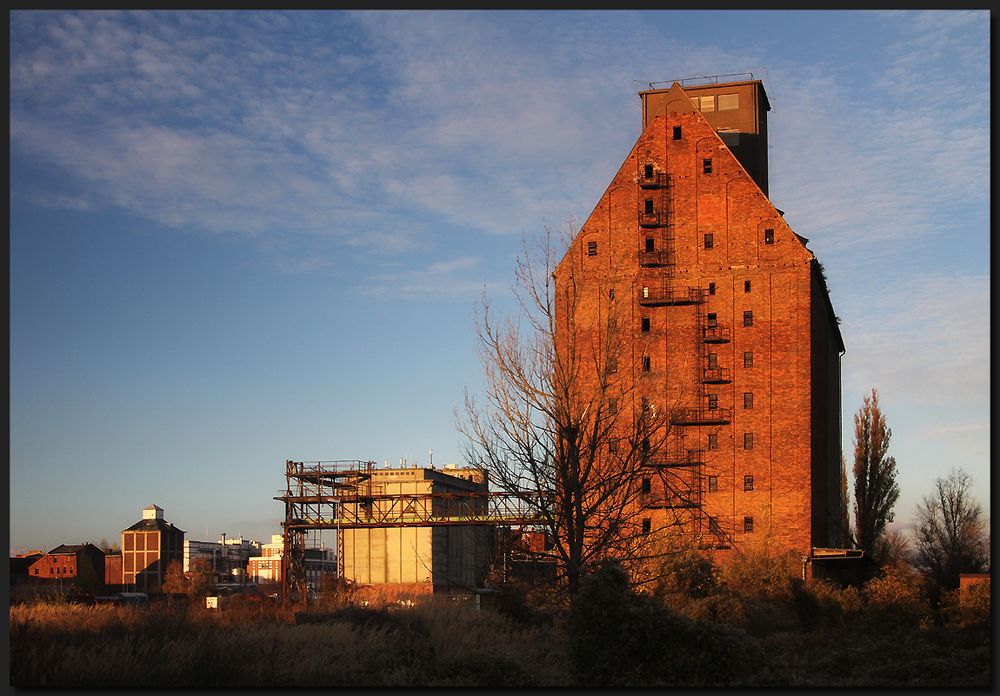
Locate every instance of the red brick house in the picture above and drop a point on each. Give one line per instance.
(79, 566)
(728, 321)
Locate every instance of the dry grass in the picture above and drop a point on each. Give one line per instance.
(886, 634)
(436, 643)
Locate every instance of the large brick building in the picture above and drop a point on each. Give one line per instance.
(728, 325)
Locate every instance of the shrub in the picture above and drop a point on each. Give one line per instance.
(759, 572)
(685, 572)
(622, 638)
(895, 599)
(337, 591)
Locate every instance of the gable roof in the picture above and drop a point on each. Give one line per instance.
(70, 549)
(156, 525)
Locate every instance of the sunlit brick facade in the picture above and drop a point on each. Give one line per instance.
(728, 324)
(148, 547)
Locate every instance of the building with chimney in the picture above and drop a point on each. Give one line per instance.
(729, 332)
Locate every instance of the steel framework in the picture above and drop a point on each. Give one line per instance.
(342, 494)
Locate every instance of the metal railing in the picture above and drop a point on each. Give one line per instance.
(678, 458)
(701, 415)
(716, 334)
(655, 258)
(650, 297)
(656, 219)
(703, 79)
(716, 375)
(656, 181)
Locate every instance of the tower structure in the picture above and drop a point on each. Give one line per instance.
(727, 322)
(148, 548)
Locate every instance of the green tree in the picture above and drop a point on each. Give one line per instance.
(875, 488)
(952, 535)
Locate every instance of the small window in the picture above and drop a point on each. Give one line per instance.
(748, 482)
(708, 103)
(591, 248)
(650, 244)
(645, 363)
(611, 293)
(713, 441)
(713, 361)
(649, 206)
(748, 441)
(713, 402)
(677, 132)
(729, 102)
(748, 524)
(645, 324)
(748, 359)
(748, 318)
(613, 444)
(645, 292)
(768, 236)
(747, 399)
(709, 240)
(713, 484)
(647, 485)
(648, 172)
(612, 405)
(647, 525)
(706, 165)
(711, 288)
(746, 286)
(712, 320)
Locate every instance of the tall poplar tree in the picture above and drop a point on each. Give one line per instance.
(875, 488)
(845, 502)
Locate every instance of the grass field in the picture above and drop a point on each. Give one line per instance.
(745, 631)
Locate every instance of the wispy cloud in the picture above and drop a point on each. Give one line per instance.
(457, 278)
(950, 430)
(870, 160)
(926, 341)
(372, 130)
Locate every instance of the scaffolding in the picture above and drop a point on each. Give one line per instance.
(343, 494)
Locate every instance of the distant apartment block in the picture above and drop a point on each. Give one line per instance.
(266, 567)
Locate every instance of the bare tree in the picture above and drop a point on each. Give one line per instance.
(875, 488)
(952, 534)
(107, 547)
(558, 429)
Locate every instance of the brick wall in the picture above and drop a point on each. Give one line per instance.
(794, 378)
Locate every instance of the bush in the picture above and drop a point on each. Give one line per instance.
(895, 599)
(759, 572)
(684, 572)
(622, 638)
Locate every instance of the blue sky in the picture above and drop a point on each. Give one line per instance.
(243, 237)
